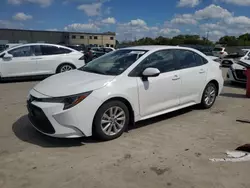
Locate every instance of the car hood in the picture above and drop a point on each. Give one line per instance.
(72, 82)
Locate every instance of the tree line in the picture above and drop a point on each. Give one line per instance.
(242, 40)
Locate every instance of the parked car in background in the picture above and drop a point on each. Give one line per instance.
(11, 45)
(219, 52)
(237, 73)
(99, 51)
(132, 84)
(38, 59)
(80, 48)
(2, 47)
(243, 54)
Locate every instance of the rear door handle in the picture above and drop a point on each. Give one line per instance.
(176, 77)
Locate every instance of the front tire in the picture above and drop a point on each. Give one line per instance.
(111, 120)
(209, 96)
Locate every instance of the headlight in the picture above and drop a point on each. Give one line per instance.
(68, 101)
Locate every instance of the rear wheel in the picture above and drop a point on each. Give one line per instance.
(65, 68)
(111, 120)
(209, 96)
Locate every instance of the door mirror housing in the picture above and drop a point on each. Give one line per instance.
(151, 72)
(7, 56)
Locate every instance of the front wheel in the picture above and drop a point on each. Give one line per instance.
(209, 96)
(111, 120)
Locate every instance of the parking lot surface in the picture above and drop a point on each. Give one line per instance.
(168, 151)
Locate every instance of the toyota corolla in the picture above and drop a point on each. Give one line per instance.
(123, 87)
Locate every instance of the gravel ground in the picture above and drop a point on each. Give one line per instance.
(168, 151)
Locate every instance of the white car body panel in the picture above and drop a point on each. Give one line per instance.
(168, 92)
(37, 64)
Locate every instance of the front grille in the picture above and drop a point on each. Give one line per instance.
(240, 74)
(39, 119)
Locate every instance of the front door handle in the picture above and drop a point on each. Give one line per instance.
(202, 71)
(176, 77)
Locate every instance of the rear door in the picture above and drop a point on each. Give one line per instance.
(50, 57)
(23, 62)
(193, 73)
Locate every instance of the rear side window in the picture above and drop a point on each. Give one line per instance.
(53, 50)
(188, 59)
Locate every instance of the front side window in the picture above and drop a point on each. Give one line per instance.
(188, 59)
(24, 51)
(113, 63)
(53, 50)
(163, 60)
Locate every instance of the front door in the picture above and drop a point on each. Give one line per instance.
(23, 63)
(159, 93)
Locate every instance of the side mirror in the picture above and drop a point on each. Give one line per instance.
(7, 56)
(151, 72)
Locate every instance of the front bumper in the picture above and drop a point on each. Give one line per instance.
(52, 120)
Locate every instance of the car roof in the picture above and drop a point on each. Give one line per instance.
(32, 44)
(157, 47)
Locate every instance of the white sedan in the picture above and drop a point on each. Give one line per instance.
(122, 87)
(38, 59)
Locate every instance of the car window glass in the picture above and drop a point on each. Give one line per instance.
(163, 60)
(218, 49)
(107, 50)
(53, 50)
(187, 59)
(37, 50)
(199, 60)
(24, 51)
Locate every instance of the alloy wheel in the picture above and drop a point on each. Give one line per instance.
(65, 68)
(113, 120)
(210, 95)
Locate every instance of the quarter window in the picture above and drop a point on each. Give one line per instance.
(21, 52)
(163, 60)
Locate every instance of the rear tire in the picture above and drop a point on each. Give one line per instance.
(111, 120)
(64, 68)
(209, 96)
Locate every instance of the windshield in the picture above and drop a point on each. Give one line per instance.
(243, 52)
(113, 63)
(218, 49)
